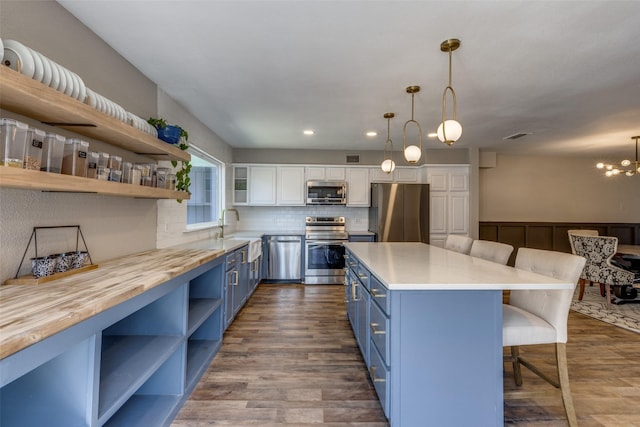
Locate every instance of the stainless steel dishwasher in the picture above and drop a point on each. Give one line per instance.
(284, 258)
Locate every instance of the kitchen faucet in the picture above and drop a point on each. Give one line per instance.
(221, 220)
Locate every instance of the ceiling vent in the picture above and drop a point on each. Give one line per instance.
(353, 158)
(517, 135)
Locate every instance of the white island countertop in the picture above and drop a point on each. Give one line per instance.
(418, 266)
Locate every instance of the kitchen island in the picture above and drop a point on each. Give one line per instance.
(429, 324)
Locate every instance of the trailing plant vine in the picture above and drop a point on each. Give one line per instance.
(183, 181)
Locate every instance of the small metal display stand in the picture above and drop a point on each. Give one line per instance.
(29, 279)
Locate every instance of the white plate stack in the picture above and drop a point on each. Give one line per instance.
(35, 65)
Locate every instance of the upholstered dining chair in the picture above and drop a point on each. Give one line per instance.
(491, 251)
(583, 277)
(598, 252)
(540, 317)
(581, 232)
(458, 243)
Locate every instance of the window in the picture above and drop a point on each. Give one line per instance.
(207, 189)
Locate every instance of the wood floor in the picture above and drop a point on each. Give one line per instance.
(290, 358)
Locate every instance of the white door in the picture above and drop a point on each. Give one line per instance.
(262, 185)
(291, 186)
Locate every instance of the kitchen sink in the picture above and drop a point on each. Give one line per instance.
(255, 247)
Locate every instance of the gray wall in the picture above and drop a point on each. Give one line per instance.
(112, 226)
(556, 189)
(338, 157)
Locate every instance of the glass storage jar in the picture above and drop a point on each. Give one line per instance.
(33, 151)
(13, 142)
(74, 161)
(52, 152)
(92, 164)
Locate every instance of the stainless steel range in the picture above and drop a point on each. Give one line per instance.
(324, 260)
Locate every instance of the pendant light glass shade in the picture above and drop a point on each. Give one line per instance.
(450, 130)
(453, 131)
(412, 153)
(388, 165)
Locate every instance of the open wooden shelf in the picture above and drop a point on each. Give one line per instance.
(31, 98)
(46, 181)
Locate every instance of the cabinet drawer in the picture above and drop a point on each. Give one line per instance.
(363, 275)
(379, 328)
(380, 377)
(351, 262)
(231, 260)
(379, 294)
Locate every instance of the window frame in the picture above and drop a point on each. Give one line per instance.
(219, 194)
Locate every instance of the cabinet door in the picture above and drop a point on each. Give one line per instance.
(358, 188)
(459, 213)
(313, 173)
(291, 186)
(438, 213)
(262, 185)
(459, 179)
(377, 175)
(438, 180)
(334, 174)
(240, 184)
(409, 175)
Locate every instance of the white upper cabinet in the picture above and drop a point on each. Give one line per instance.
(268, 185)
(358, 187)
(322, 173)
(449, 188)
(400, 174)
(291, 186)
(262, 185)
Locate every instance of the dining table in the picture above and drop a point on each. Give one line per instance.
(630, 251)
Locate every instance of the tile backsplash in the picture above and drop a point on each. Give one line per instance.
(271, 218)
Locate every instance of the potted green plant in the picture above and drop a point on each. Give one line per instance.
(170, 132)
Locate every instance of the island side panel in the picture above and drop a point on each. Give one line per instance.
(446, 358)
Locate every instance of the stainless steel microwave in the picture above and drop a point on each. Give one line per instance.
(326, 193)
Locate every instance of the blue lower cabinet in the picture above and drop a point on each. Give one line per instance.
(132, 365)
(379, 373)
(362, 237)
(419, 352)
(363, 322)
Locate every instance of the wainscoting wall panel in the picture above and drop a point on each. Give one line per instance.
(552, 235)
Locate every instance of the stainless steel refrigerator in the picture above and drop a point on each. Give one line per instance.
(399, 212)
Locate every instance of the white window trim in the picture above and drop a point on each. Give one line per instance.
(190, 228)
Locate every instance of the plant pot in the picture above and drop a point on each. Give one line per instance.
(170, 134)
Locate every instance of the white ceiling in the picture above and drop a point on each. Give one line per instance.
(259, 72)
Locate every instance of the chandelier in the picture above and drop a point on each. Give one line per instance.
(412, 153)
(634, 167)
(449, 131)
(388, 165)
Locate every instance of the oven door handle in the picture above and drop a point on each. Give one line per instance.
(324, 242)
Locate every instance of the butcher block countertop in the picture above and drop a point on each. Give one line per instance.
(29, 314)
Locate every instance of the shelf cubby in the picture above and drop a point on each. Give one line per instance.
(55, 394)
(154, 403)
(137, 348)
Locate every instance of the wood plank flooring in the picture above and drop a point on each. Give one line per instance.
(290, 358)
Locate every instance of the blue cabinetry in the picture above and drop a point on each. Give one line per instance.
(355, 237)
(237, 282)
(133, 364)
(428, 350)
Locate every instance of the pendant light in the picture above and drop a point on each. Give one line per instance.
(388, 165)
(412, 153)
(449, 131)
(612, 170)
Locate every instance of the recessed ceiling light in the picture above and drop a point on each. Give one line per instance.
(432, 135)
(372, 133)
(308, 132)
